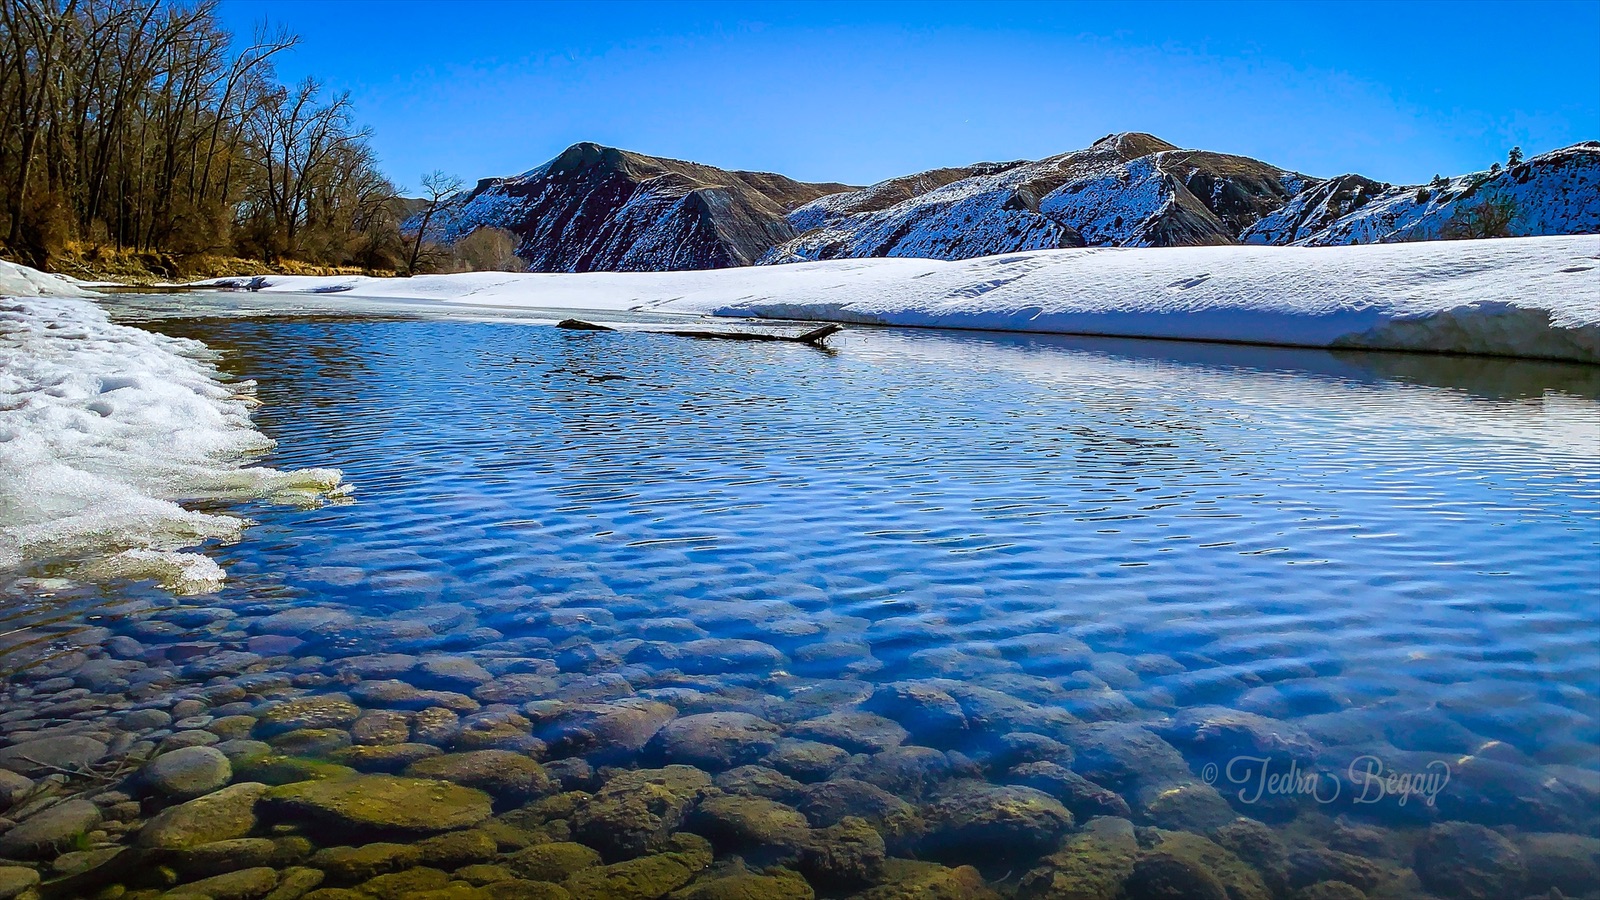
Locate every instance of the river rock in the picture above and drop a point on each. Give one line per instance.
(327, 711)
(1569, 863)
(773, 884)
(807, 761)
(188, 773)
(386, 758)
(759, 781)
(843, 856)
(1465, 861)
(512, 779)
(645, 877)
(929, 713)
(609, 730)
(1310, 865)
(750, 825)
(830, 802)
(854, 730)
(353, 865)
(16, 880)
(245, 884)
(714, 741)
(1239, 880)
(145, 719)
(221, 815)
(1090, 865)
(552, 862)
(905, 879)
(1162, 876)
(979, 822)
(637, 811)
(908, 771)
(46, 833)
(14, 789)
(380, 804)
(66, 751)
(1218, 734)
(1082, 797)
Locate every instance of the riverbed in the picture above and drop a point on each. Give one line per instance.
(921, 612)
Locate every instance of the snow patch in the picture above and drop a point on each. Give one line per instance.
(105, 430)
(1526, 297)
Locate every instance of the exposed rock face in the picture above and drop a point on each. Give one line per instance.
(596, 208)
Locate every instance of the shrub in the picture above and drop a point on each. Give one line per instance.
(1491, 217)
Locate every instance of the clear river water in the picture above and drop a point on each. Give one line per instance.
(1053, 609)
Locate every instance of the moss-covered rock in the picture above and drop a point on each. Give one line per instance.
(1163, 876)
(1329, 890)
(777, 884)
(829, 802)
(405, 885)
(905, 879)
(636, 811)
(552, 862)
(352, 865)
(458, 848)
(512, 779)
(1259, 846)
(642, 878)
(1091, 865)
(979, 822)
(1241, 881)
(520, 889)
(843, 856)
(379, 805)
(743, 824)
(1465, 861)
(760, 781)
(221, 815)
(383, 758)
(326, 711)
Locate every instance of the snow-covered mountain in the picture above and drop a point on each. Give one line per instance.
(1132, 190)
(1553, 193)
(594, 208)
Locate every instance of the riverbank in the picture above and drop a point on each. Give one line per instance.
(1527, 297)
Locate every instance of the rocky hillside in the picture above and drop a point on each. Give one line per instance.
(1553, 193)
(595, 208)
(1126, 190)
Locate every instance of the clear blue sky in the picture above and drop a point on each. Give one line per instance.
(861, 91)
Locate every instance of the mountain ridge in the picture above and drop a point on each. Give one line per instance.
(595, 208)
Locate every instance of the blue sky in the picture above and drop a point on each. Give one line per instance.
(861, 91)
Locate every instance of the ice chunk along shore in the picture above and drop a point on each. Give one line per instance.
(1536, 297)
(105, 430)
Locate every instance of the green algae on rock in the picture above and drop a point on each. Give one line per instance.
(381, 804)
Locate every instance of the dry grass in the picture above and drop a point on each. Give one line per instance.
(94, 263)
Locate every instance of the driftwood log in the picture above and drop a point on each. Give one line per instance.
(814, 337)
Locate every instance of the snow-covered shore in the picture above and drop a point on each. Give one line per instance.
(105, 430)
(1523, 297)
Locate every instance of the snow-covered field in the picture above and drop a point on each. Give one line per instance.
(1527, 297)
(105, 430)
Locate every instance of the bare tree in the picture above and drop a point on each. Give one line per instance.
(436, 188)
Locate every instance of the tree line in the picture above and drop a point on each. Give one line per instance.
(144, 126)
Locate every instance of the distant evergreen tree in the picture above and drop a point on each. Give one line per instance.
(1438, 182)
(1514, 158)
(1494, 169)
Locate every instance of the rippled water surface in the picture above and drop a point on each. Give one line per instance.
(1387, 557)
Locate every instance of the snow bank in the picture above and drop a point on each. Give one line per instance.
(21, 281)
(105, 429)
(1526, 297)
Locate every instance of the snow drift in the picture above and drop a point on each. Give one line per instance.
(105, 430)
(1526, 297)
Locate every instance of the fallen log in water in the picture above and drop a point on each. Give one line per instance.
(814, 337)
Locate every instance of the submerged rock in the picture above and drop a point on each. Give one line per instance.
(979, 822)
(380, 804)
(1091, 865)
(644, 877)
(905, 879)
(552, 862)
(45, 834)
(188, 773)
(637, 812)
(714, 741)
(843, 856)
(222, 815)
(1163, 876)
(510, 778)
(1463, 861)
(854, 730)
